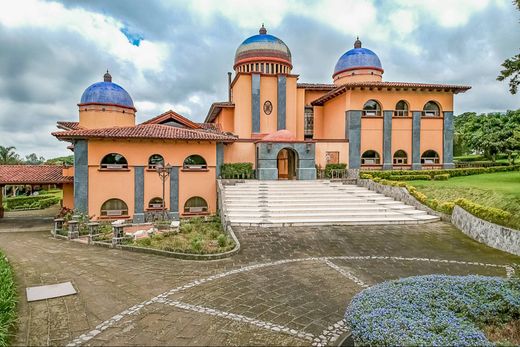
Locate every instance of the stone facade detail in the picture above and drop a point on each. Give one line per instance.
(282, 104)
(353, 125)
(139, 194)
(174, 192)
(387, 140)
(255, 102)
(416, 140)
(493, 235)
(448, 131)
(267, 162)
(81, 176)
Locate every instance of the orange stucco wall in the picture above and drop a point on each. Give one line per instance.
(372, 135)
(94, 116)
(402, 136)
(323, 147)
(226, 120)
(318, 122)
(104, 185)
(334, 118)
(268, 92)
(242, 99)
(359, 75)
(293, 123)
(68, 195)
(240, 152)
(388, 99)
(431, 135)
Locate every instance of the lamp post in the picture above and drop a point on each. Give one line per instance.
(164, 173)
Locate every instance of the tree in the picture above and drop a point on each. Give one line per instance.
(8, 155)
(512, 67)
(68, 160)
(33, 159)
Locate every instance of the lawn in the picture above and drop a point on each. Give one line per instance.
(7, 300)
(500, 190)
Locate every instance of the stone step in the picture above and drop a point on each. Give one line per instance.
(353, 208)
(390, 204)
(309, 200)
(325, 215)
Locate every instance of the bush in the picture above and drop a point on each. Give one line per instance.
(222, 240)
(237, 171)
(433, 310)
(330, 167)
(441, 177)
(492, 214)
(452, 172)
(409, 177)
(31, 202)
(8, 299)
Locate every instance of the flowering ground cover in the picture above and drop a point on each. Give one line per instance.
(433, 310)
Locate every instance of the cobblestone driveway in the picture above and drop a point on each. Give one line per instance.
(287, 286)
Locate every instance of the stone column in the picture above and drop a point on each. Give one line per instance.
(255, 102)
(1, 201)
(354, 139)
(282, 102)
(81, 176)
(387, 140)
(139, 194)
(220, 158)
(448, 130)
(416, 140)
(174, 193)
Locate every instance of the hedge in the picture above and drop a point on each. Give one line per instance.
(492, 214)
(237, 171)
(452, 172)
(330, 167)
(433, 310)
(441, 177)
(31, 202)
(409, 177)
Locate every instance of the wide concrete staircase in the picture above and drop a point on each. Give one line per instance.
(320, 202)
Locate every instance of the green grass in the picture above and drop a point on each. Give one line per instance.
(500, 190)
(7, 300)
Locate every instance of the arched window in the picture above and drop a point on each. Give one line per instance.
(401, 109)
(430, 157)
(154, 160)
(155, 203)
(196, 204)
(194, 162)
(400, 157)
(371, 108)
(431, 109)
(114, 208)
(114, 161)
(370, 158)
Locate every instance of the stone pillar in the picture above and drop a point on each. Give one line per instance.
(255, 102)
(447, 154)
(174, 193)
(282, 102)
(81, 176)
(220, 158)
(416, 140)
(1, 202)
(139, 194)
(354, 139)
(387, 140)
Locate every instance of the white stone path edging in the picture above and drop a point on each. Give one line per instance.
(161, 298)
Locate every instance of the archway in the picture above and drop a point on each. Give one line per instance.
(287, 162)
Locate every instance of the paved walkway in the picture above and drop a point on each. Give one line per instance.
(287, 286)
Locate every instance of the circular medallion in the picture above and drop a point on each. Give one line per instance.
(268, 107)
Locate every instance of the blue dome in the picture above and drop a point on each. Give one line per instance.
(357, 57)
(107, 93)
(263, 45)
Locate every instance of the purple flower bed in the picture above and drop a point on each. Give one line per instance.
(432, 310)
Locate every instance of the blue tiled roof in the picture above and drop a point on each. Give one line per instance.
(357, 58)
(263, 45)
(107, 93)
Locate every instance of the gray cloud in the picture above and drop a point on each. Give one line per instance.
(44, 72)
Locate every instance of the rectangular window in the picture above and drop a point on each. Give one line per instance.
(308, 122)
(262, 67)
(332, 157)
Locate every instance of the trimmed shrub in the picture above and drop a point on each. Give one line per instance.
(8, 298)
(237, 171)
(441, 177)
(409, 177)
(330, 167)
(31, 202)
(492, 214)
(446, 207)
(433, 310)
(365, 176)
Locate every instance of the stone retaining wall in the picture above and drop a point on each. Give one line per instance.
(493, 235)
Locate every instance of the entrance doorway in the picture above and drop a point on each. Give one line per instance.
(287, 162)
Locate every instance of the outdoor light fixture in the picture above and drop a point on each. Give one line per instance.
(308, 147)
(164, 173)
(269, 147)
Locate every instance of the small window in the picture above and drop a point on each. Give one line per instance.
(308, 122)
(332, 157)
(196, 204)
(400, 158)
(370, 158)
(371, 108)
(155, 160)
(194, 162)
(156, 203)
(401, 109)
(114, 161)
(431, 109)
(430, 157)
(114, 208)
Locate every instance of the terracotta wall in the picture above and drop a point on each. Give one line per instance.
(388, 99)
(334, 118)
(97, 116)
(293, 123)
(240, 152)
(372, 135)
(432, 135)
(402, 136)
(323, 147)
(68, 195)
(242, 99)
(268, 92)
(226, 119)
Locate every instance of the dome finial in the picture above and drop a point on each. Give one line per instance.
(262, 30)
(107, 77)
(357, 44)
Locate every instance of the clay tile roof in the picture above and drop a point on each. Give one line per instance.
(283, 135)
(215, 109)
(316, 86)
(33, 174)
(69, 125)
(146, 131)
(388, 85)
(172, 116)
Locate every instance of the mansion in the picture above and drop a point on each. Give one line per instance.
(285, 128)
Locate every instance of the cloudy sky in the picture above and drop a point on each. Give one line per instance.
(176, 54)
